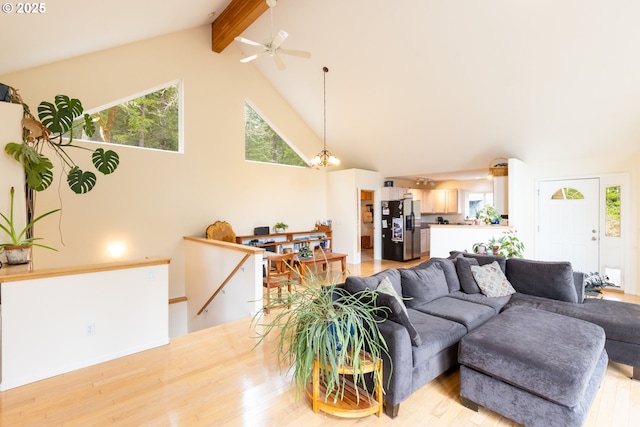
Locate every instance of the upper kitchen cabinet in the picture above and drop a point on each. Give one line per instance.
(442, 201)
(393, 193)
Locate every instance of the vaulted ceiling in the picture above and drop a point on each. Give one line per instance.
(415, 87)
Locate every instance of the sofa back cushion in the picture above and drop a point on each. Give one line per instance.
(355, 284)
(423, 285)
(547, 279)
(488, 259)
(448, 267)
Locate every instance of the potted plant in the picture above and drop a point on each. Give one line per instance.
(327, 324)
(57, 124)
(18, 248)
(280, 227)
(488, 215)
(510, 245)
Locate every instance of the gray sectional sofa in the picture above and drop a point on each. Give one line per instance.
(442, 303)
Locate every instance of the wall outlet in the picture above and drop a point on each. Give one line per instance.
(90, 330)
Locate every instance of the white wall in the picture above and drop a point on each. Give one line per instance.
(45, 321)
(344, 209)
(156, 198)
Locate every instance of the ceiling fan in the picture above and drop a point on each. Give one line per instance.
(273, 45)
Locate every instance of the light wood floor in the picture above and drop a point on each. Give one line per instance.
(215, 377)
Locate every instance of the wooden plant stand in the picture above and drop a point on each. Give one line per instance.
(353, 404)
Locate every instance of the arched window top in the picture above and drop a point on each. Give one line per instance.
(567, 193)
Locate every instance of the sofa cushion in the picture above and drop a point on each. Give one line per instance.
(467, 313)
(355, 284)
(496, 303)
(488, 259)
(423, 285)
(491, 280)
(559, 369)
(467, 282)
(393, 309)
(545, 279)
(449, 269)
(436, 335)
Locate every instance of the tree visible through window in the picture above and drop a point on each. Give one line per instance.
(150, 121)
(263, 144)
(612, 212)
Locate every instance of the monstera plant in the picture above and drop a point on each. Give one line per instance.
(55, 127)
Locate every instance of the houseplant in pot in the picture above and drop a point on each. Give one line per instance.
(280, 227)
(18, 246)
(327, 324)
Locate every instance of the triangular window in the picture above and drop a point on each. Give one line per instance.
(263, 144)
(149, 120)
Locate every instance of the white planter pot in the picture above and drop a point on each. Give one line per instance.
(18, 254)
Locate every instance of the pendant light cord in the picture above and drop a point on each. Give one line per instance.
(324, 131)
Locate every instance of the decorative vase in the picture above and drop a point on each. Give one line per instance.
(18, 254)
(496, 250)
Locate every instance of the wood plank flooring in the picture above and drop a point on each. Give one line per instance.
(216, 377)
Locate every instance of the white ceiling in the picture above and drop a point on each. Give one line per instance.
(415, 87)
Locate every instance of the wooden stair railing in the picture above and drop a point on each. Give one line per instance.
(224, 283)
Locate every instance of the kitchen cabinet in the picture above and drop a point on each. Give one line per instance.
(425, 243)
(442, 201)
(393, 193)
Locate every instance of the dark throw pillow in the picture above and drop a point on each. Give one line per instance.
(467, 282)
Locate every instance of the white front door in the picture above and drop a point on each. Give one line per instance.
(568, 222)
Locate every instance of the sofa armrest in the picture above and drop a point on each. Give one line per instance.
(398, 364)
(579, 283)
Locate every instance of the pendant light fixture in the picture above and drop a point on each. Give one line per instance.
(324, 158)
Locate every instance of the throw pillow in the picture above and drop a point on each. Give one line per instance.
(467, 282)
(491, 280)
(386, 287)
(423, 285)
(396, 311)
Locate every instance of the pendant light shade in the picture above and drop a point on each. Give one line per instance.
(324, 157)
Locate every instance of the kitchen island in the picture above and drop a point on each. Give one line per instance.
(445, 238)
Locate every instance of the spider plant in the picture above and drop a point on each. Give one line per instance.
(326, 323)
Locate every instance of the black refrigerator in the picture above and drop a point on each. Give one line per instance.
(401, 229)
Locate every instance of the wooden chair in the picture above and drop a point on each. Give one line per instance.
(279, 273)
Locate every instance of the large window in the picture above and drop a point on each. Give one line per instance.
(149, 120)
(263, 144)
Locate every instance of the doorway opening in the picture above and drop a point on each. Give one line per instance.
(366, 225)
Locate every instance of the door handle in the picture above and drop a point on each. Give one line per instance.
(594, 231)
(594, 238)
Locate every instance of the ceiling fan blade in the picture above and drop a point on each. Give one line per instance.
(247, 41)
(279, 61)
(279, 39)
(250, 58)
(300, 53)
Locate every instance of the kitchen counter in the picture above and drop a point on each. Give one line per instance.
(454, 237)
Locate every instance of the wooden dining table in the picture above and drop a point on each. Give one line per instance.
(323, 259)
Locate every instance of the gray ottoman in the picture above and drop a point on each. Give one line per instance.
(534, 367)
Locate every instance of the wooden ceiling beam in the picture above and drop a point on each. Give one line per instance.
(234, 20)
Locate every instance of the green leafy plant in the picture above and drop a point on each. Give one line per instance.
(488, 214)
(280, 226)
(509, 245)
(326, 323)
(55, 127)
(19, 238)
